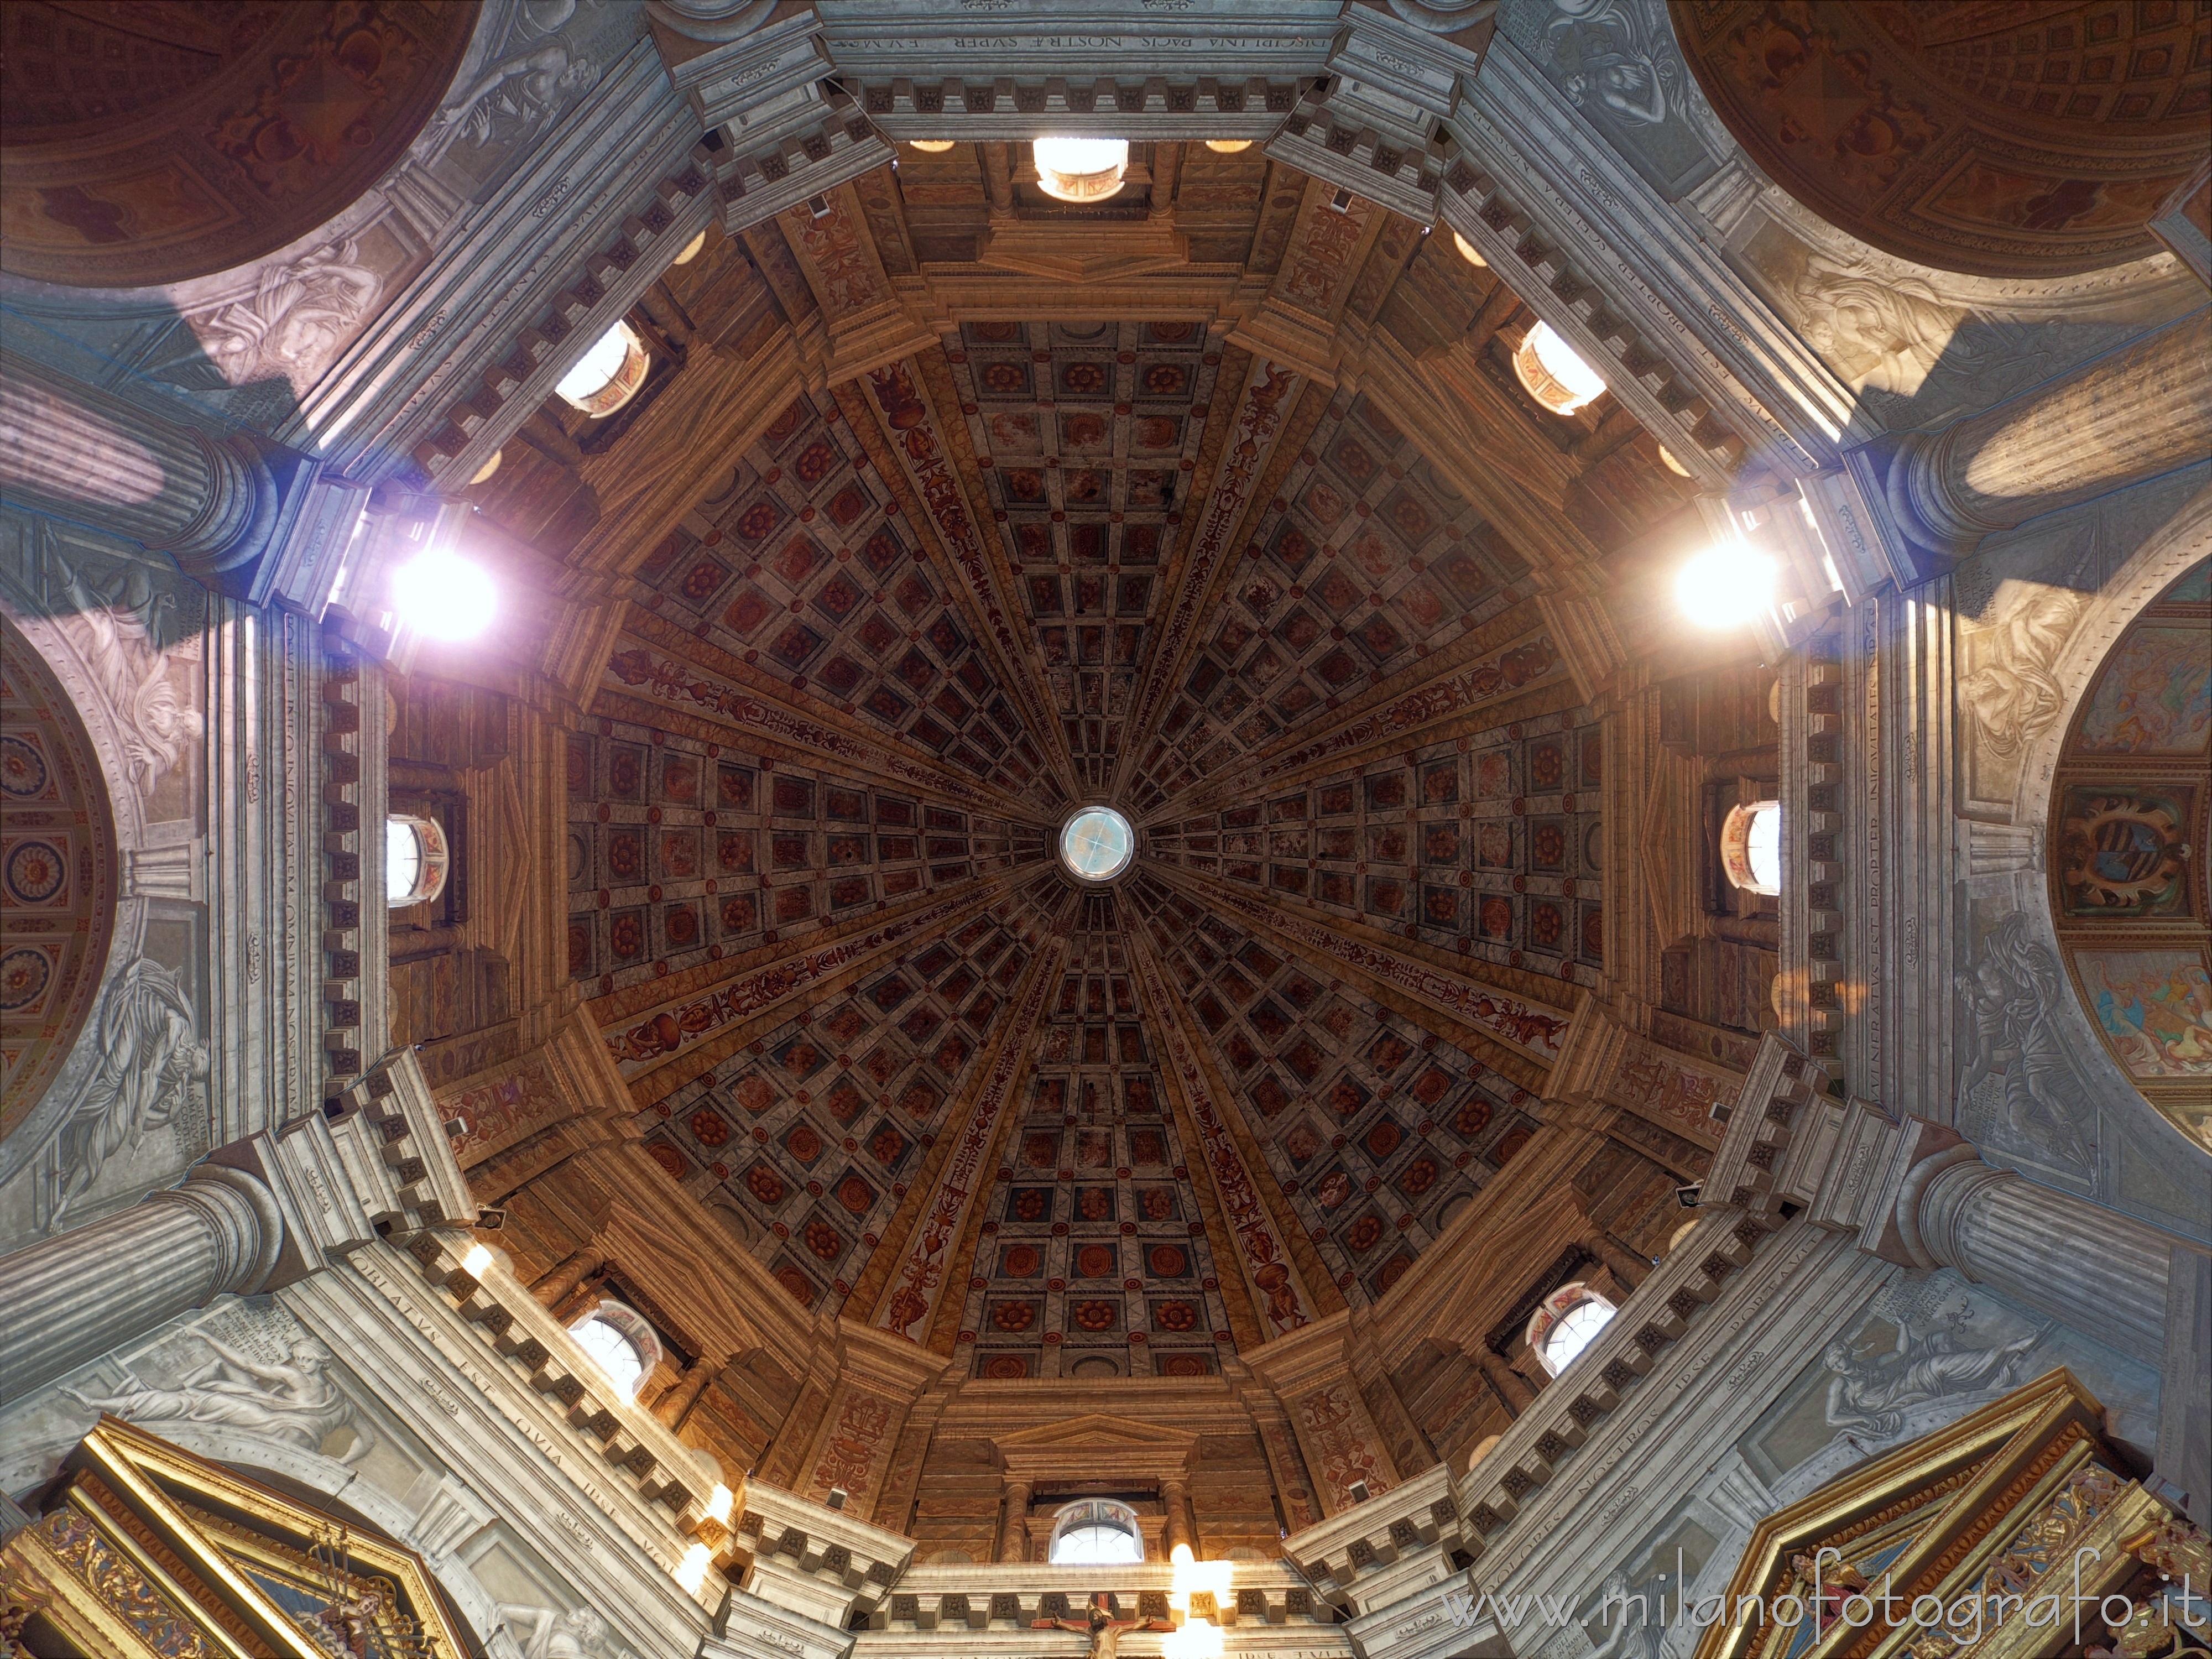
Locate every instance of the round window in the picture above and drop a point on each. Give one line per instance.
(1568, 1322)
(1097, 1533)
(1097, 844)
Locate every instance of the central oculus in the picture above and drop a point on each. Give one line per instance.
(1097, 844)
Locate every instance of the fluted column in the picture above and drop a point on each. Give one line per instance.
(75, 452)
(560, 1283)
(1507, 1383)
(2134, 414)
(72, 1298)
(1175, 1498)
(1014, 1531)
(672, 1407)
(2074, 1262)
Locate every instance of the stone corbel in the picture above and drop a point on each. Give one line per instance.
(1372, 1554)
(823, 1565)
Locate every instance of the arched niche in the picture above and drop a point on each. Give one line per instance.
(123, 648)
(2039, 621)
(2127, 829)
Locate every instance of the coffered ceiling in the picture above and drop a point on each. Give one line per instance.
(1264, 545)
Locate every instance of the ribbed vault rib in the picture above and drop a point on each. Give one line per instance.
(658, 675)
(1517, 1032)
(1268, 400)
(1287, 1285)
(685, 1038)
(1507, 668)
(927, 483)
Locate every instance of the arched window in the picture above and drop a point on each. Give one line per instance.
(1751, 847)
(621, 1344)
(608, 375)
(1569, 1321)
(1554, 374)
(1097, 1533)
(416, 857)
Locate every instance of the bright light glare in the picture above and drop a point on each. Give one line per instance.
(616, 1355)
(1229, 146)
(1570, 370)
(1574, 1333)
(478, 1262)
(1467, 251)
(930, 146)
(1097, 843)
(1194, 1577)
(721, 1503)
(443, 597)
(1199, 1639)
(692, 1573)
(596, 367)
(1725, 586)
(1080, 170)
(402, 865)
(1097, 1545)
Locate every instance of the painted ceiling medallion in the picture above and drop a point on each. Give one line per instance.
(57, 875)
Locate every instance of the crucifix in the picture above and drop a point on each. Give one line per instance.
(1105, 1630)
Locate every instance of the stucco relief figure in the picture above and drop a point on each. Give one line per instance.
(1872, 1392)
(153, 1070)
(1876, 329)
(1636, 1638)
(1614, 56)
(2009, 997)
(2013, 696)
(291, 1400)
(508, 100)
(112, 625)
(580, 1633)
(299, 317)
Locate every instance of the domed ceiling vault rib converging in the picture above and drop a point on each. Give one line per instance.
(921, 618)
(1152, 1148)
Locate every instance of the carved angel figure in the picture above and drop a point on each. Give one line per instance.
(1614, 56)
(1872, 1392)
(294, 1402)
(300, 315)
(112, 625)
(2009, 997)
(580, 1633)
(2013, 697)
(1879, 330)
(151, 1065)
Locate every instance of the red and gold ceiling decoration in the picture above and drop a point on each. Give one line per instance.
(939, 1085)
